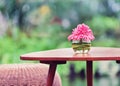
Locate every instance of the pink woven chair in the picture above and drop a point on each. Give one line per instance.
(25, 75)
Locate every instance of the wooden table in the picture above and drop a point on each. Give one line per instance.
(61, 56)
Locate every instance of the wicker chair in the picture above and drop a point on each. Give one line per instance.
(25, 75)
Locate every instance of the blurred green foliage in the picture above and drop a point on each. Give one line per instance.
(44, 25)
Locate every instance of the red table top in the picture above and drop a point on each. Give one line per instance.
(67, 54)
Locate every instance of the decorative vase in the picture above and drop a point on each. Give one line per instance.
(81, 46)
(81, 38)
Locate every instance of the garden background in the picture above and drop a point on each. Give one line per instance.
(36, 25)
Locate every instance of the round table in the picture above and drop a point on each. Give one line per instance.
(61, 56)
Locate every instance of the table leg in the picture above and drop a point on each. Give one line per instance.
(89, 73)
(52, 70)
(118, 61)
(51, 74)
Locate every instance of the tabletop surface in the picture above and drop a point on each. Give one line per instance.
(67, 54)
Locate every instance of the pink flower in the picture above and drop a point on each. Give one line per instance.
(81, 32)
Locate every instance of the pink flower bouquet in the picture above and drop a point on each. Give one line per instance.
(81, 38)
